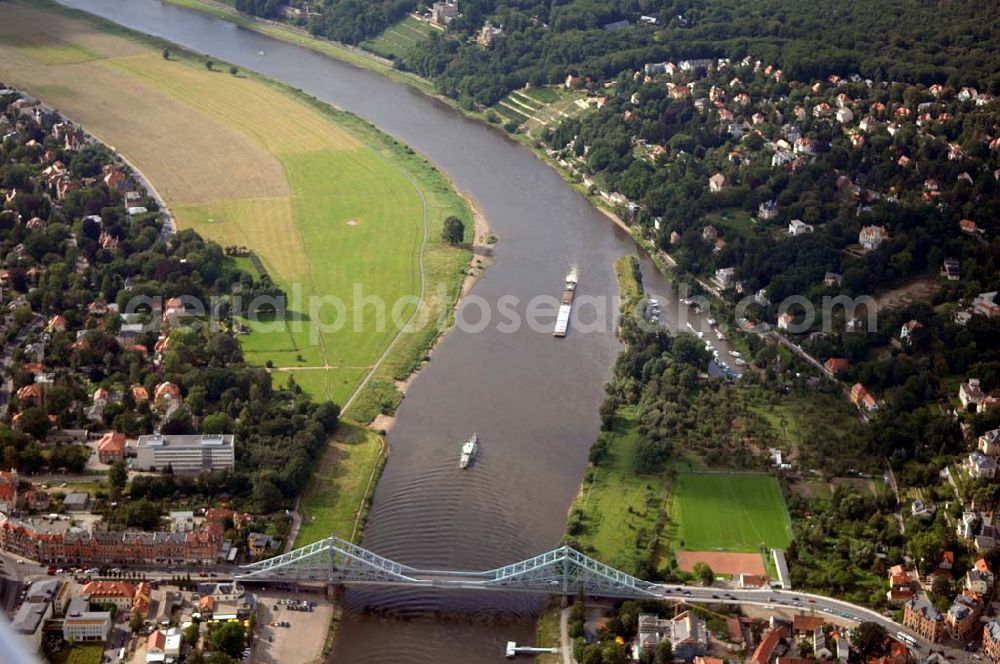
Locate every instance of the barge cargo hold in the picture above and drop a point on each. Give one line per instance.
(566, 305)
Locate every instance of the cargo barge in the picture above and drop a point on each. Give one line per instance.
(566, 305)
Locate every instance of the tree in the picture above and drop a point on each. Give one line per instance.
(166, 54)
(35, 422)
(871, 640)
(191, 633)
(209, 64)
(266, 496)
(229, 639)
(135, 622)
(233, 70)
(704, 573)
(454, 230)
(664, 652)
(117, 476)
(942, 591)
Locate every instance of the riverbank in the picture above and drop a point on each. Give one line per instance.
(373, 62)
(179, 84)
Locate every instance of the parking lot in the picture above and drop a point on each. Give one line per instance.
(302, 640)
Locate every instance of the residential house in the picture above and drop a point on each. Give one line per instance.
(900, 584)
(924, 619)
(686, 632)
(820, 649)
(979, 579)
(986, 304)
(167, 396)
(442, 13)
(785, 320)
(968, 226)
(871, 237)
(922, 509)
(156, 645)
(981, 466)
(971, 395)
(862, 399)
(259, 544)
(951, 269)
(836, 365)
(947, 561)
(803, 625)
(8, 488)
(768, 210)
(844, 115)
(102, 397)
(804, 146)
(991, 641)
(963, 615)
(989, 443)
(111, 447)
(139, 394)
(56, 324)
(717, 182)
(909, 327)
(799, 227)
(725, 277)
(768, 648)
(968, 525)
(844, 648)
(833, 279)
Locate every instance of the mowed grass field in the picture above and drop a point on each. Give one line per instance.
(729, 512)
(332, 208)
(617, 502)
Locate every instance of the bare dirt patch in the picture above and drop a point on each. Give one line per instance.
(918, 289)
(722, 562)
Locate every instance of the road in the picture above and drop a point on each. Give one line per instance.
(6, 359)
(785, 600)
(806, 602)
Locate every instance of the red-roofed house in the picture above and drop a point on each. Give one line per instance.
(139, 394)
(968, 226)
(861, 398)
(111, 447)
(900, 584)
(57, 324)
(167, 393)
(118, 593)
(8, 486)
(764, 652)
(836, 365)
(30, 394)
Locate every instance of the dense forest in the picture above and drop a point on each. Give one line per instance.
(919, 42)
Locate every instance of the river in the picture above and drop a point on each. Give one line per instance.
(533, 399)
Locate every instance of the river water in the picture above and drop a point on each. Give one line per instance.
(533, 399)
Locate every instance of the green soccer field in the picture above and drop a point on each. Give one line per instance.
(730, 512)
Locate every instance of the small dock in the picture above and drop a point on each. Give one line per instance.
(513, 650)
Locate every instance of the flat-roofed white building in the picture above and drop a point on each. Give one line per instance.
(185, 453)
(82, 624)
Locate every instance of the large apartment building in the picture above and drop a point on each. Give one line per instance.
(77, 547)
(185, 454)
(924, 619)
